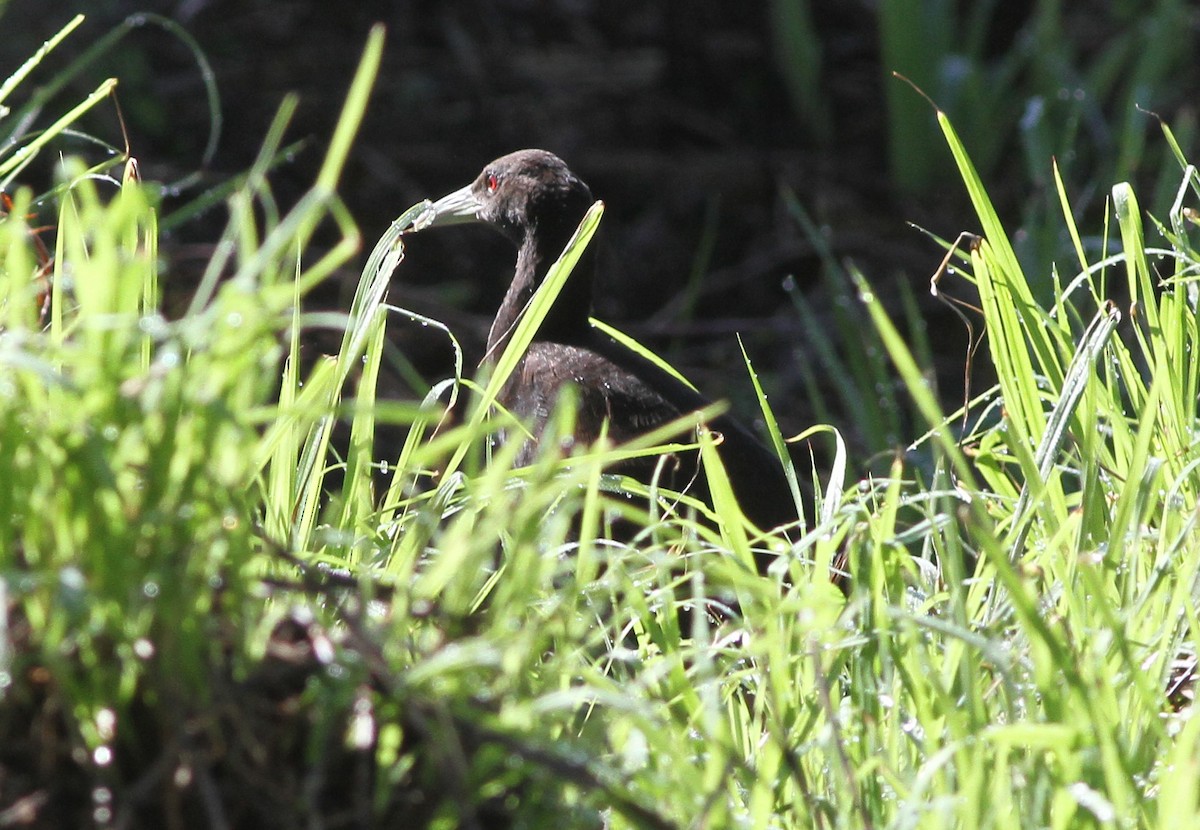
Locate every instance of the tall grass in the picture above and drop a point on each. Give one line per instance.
(1050, 93)
(224, 602)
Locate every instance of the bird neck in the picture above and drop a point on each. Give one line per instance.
(567, 320)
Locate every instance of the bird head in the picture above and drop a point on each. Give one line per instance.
(519, 194)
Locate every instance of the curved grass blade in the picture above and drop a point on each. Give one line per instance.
(1079, 373)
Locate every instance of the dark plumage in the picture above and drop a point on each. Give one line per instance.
(533, 199)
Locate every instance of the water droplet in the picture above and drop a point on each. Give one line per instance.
(71, 579)
(106, 723)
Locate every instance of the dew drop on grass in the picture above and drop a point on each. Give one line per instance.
(71, 579)
(362, 729)
(912, 726)
(234, 319)
(102, 797)
(151, 324)
(102, 756)
(106, 724)
(150, 590)
(1035, 108)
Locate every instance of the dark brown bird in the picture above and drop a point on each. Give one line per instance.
(533, 199)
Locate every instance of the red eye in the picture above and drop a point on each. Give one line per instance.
(492, 182)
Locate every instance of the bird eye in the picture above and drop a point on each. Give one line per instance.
(492, 182)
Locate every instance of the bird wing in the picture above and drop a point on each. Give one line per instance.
(635, 395)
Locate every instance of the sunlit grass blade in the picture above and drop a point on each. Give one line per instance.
(637, 348)
(911, 375)
(26, 152)
(776, 437)
(1007, 270)
(1079, 374)
(529, 322)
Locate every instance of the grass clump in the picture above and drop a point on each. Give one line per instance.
(224, 601)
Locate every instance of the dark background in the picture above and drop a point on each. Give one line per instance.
(676, 113)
